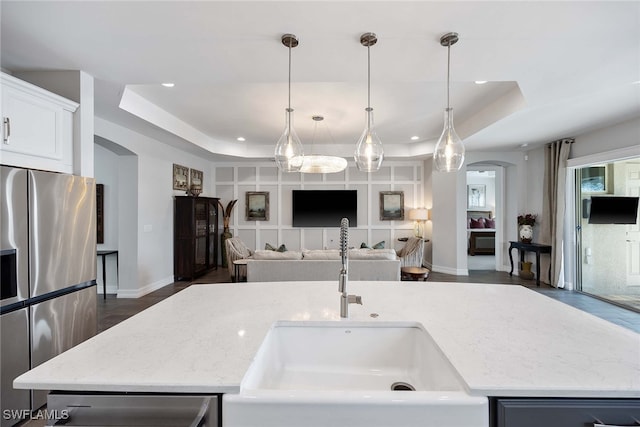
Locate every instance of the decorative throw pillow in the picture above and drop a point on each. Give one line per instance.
(489, 223)
(477, 223)
(269, 247)
(379, 245)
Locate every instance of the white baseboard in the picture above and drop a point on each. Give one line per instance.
(137, 293)
(449, 270)
(110, 289)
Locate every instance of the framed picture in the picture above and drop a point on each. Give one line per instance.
(476, 196)
(596, 179)
(196, 178)
(391, 205)
(257, 206)
(100, 213)
(180, 177)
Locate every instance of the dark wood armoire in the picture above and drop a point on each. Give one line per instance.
(195, 242)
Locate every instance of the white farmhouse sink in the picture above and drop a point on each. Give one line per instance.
(352, 374)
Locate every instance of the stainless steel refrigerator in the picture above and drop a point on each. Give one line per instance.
(48, 274)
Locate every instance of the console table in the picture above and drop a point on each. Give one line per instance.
(104, 254)
(538, 248)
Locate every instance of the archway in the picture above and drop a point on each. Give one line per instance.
(117, 168)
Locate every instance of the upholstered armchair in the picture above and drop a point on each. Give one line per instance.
(412, 253)
(236, 249)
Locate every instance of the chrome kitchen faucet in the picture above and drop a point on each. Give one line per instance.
(345, 298)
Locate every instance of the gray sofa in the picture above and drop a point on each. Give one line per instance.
(322, 265)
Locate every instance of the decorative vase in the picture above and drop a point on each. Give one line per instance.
(525, 270)
(525, 233)
(226, 234)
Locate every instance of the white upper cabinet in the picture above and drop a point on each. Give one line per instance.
(37, 127)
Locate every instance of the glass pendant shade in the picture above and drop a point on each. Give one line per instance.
(449, 153)
(289, 154)
(369, 151)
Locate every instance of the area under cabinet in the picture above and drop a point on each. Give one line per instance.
(134, 410)
(564, 412)
(37, 127)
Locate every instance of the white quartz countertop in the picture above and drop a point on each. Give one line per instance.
(504, 340)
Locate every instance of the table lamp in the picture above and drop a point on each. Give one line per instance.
(419, 215)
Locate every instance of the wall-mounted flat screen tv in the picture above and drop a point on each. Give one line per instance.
(324, 208)
(613, 210)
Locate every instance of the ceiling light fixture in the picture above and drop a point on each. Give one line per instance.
(168, 84)
(449, 153)
(241, 139)
(289, 155)
(481, 82)
(369, 152)
(315, 163)
(415, 138)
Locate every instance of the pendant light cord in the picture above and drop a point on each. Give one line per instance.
(448, 72)
(290, 41)
(369, 77)
(289, 107)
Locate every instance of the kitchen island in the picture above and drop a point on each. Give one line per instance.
(503, 340)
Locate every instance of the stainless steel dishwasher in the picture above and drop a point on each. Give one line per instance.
(133, 410)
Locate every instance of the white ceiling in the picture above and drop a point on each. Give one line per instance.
(555, 69)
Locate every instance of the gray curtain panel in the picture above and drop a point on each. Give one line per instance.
(553, 204)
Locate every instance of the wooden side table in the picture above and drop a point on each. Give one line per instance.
(414, 273)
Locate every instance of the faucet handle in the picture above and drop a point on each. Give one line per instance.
(354, 299)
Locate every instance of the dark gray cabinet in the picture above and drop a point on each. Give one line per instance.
(563, 412)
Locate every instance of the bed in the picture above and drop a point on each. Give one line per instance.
(482, 239)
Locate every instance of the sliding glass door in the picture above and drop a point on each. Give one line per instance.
(608, 257)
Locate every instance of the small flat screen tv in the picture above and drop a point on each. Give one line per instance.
(324, 208)
(613, 210)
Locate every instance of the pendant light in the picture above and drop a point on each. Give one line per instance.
(369, 152)
(289, 154)
(449, 153)
(315, 163)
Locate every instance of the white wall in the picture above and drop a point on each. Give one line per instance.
(448, 215)
(232, 181)
(153, 228)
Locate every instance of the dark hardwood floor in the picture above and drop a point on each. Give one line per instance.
(112, 310)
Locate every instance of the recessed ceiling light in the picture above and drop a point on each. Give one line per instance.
(415, 138)
(241, 139)
(480, 82)
(168, 84)
(524, 145)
